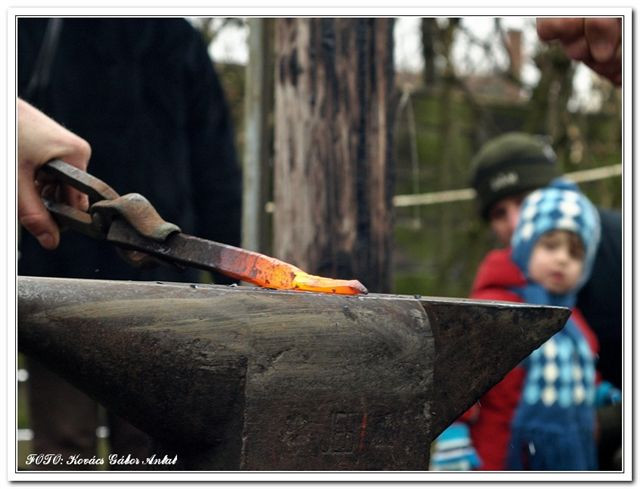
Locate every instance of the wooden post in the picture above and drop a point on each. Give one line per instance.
(333, 176)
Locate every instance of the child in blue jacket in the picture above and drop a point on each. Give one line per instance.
(554, 245)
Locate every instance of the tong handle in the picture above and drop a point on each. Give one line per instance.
(68, 174)
(71, 218)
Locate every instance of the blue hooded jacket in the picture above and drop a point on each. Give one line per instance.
(553, 427)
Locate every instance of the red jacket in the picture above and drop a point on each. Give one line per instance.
(490, 419)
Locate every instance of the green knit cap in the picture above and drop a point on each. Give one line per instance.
(510, 164)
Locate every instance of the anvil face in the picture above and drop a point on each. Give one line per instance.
(237, 378)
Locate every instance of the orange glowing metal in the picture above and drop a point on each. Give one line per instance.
(269, 272)
(237, 263)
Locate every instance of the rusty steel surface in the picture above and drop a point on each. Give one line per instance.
(239, 378)
(138, 212)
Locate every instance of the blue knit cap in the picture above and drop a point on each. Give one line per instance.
(559, 206)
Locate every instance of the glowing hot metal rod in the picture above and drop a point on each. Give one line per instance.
(131, 222)
(234, 262)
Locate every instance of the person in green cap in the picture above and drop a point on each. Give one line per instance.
(505, 170)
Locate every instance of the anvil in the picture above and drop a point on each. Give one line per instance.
(240, 378)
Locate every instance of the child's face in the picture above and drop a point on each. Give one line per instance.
(556, 261)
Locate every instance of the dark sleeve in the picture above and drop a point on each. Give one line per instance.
(30, 34)
(600, 300)
(216, 176)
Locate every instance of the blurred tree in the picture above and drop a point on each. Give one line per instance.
(429, 33)
(437, 41)
(548, 108)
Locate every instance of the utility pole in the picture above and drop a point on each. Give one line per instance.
(258, 102)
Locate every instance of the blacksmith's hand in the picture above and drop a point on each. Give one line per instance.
(41, 139)
(596, 41)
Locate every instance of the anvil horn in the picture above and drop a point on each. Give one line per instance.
(238, 378)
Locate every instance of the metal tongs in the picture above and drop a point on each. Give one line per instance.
(132, 223)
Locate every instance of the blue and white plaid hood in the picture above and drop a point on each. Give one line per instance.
(559, 206)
